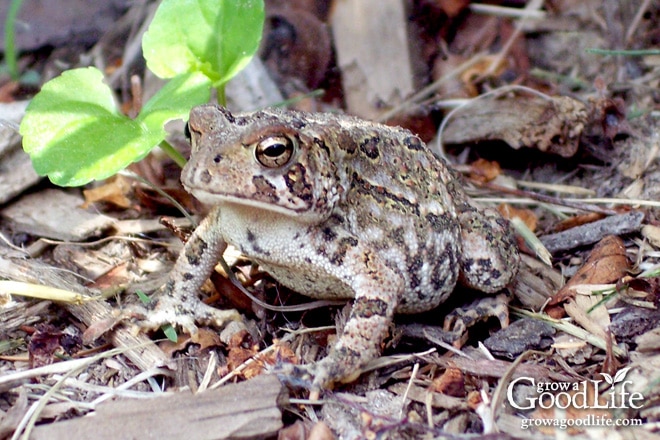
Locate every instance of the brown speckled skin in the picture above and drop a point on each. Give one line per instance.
(348, 209)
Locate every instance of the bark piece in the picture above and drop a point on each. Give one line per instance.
(593, 232)
(522, 335)
(552, 125)
(371, 41)
(245, 410)
(16, 171)
(55, 214)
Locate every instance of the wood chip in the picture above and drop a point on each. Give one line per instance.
(373, 54)
(552, 125)
(16, 171)
(593, 232)
(55, 214)
(245, 410)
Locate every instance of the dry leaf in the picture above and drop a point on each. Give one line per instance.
(652, 234)
(483, 170)
(116, 278)
(452, 383)
(606, 264)
(577, 220)
(479, 69)
(650, 286)
(526, 215)
(595, 321)
(205, 338)
(114, 191)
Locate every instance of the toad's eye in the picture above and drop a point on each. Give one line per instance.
(275, 151)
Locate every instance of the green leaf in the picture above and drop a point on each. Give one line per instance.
(215, 37)
(174, 101)
(74, 133)
(143, 297)
(170, 332)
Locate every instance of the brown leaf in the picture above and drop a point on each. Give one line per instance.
(483, 170)
(320, 431)
(452, 7)
(606, 264)
(577, 220)
(99, 328)
(651, 286)
(115, 278)
(610, 364)
(452, 383)
(48, 344)
(114, 191)
(205, 338)
(526, 215)
(231, 293)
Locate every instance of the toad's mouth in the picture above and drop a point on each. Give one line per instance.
(268, 203)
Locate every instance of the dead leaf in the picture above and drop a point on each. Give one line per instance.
(611, 364)
(320, 431)
(99, 328)
(606, 264)
(526, 215)
(116, 279)
(650, 286)
(577, 220)
(652, 234)
(48, 344)
(205, 338)
(483, 170)
(596, 320)
(452, 383)
(452, 7)
(115, 191)
(479, 70)
(296, 431)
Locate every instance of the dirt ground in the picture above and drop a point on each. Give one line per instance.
(550, 112)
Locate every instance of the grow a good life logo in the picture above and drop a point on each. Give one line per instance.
(581, 397)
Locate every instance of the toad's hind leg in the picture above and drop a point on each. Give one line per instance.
(490, 259)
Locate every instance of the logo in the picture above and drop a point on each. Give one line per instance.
(611, 393)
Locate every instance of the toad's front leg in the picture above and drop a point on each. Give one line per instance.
(177, 302)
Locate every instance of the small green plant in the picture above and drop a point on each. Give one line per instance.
(73, 130)
(10, 38)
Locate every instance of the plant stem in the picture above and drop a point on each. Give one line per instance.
(173, 153)
(630, 53)
(222, 98)
(10, 39)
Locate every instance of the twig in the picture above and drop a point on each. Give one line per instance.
(593, 232)
(635, 21)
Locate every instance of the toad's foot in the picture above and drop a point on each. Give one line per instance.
(318, 376)
(183, 314)
(459, 320)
